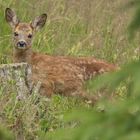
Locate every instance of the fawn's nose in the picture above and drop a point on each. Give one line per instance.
(21, 44)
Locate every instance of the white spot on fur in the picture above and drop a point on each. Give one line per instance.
(101, 71)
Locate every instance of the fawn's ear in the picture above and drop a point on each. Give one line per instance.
(11, 17)
(39, 22)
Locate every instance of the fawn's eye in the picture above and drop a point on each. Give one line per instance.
(30, 36)
(15, 34)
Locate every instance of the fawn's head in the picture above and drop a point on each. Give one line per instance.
(23, 32)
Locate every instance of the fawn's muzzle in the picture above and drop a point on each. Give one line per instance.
(21, 44)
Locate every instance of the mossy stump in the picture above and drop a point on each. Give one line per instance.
(17, 78)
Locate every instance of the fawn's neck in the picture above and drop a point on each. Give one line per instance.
(22, 55)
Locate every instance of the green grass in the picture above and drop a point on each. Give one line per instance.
(77, 28)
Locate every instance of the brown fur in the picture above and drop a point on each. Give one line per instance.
(58, 74)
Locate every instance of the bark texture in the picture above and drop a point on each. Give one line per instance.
(17, 78)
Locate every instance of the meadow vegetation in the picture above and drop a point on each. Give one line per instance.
(76, 28)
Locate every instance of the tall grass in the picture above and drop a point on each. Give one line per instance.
(95, 28)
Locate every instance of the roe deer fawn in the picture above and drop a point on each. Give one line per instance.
(58, 74)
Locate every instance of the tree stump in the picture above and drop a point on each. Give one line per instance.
(17, 78)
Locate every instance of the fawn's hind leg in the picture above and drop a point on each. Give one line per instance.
(90, 99)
